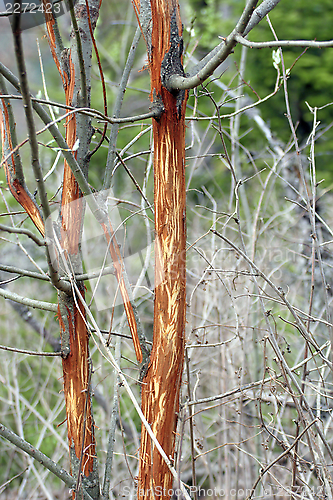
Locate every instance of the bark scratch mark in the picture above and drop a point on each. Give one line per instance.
(160, 391)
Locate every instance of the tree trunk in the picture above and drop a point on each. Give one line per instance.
(73, 329)
(161, 385)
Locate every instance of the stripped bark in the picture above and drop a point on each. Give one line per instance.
(124, 288)
(75, 350)
(71, 215)
(73, 329)
(161, 385)
(12, 162)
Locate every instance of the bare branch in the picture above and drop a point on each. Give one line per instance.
(41, 458)
(218, 55)
(134, 180)
(31, 353)
(211, 61)
(19, 230)
(83, 80)
(58, 137)
(283, 43)
(26, 314)
(260, 12)
(12, 162)
(116, 110)
(19, 53)
(37, 304)
(279, 291)
(112, 432)
(251, 385)
(263, 471)
(94, 113)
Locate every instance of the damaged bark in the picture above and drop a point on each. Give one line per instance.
(161, 384)
(74, 335)
(12, 162)
(77, 390)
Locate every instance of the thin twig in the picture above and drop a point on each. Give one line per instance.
(111, 433)
(31, 353)
(26, 232)
(41, 458)
(102, 80)
(94, 113)
(83, 77)
(51, 126)
(260, 12)
(251, 385)
(36, 304)
(284, 453)
(283, 43)
(134, 180)
(279, 292)
(116, 110)
(190, 409)
(27, 104)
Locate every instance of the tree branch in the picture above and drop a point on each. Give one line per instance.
(252, 385)
(45, 277)
(278, 290)
(217, 55)
(12, 133)
(37, 304)
(94, 113)
(112, 431)
(260, 12)
(31, 353)
(116, 110)
(57, 136)
(283, 454)
(79, 50)
(246, 16)
(12, 161)
(283, 43)
(27, 316)
(249, 19)
(40, 457)
(19, 53)
(28, 109)
(24, 272)
(19, 230)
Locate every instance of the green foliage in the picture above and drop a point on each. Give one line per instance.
(310, 79)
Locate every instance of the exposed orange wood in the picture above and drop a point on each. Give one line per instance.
(76, 365)
(27, 203)
(72, 212)
(71, 203)
(73, 329)
(16, 186)
(161, 385)
(76, 384)
(119, 266)
(49, 20)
